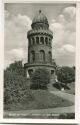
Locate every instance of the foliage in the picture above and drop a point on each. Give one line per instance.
(40, 79)
(60, 86)
(19, 96)
(17, 67)
(42, 100)
(72, 88)
(16, 88)
(66, 74)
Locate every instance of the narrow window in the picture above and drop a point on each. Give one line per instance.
(46, 41)
(42, 40)
(32, 57)
(42, 56)
(50, 56)
(37, 40)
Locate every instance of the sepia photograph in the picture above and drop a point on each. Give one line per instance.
(39, 60)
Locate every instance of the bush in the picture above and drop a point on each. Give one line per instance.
(16, 67)
(57, 85)
(66, 74)
(16, 89)
(40, 79)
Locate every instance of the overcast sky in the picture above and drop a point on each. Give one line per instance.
(62, 21)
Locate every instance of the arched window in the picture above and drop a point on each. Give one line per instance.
(49, 42)
(42, 56)
(46, 41)
(32, 57)
(50, 56)
(37, 40)
(42, 40)
(30, 71)
(49, 39)
(52, 71)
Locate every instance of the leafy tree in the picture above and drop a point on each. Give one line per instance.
(40, 79)
(17, 67)
(16, 86)
(65, 74)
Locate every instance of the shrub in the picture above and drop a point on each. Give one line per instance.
(40, 79)
(57, 85)
(16, 89)
(66, 74)
(16, 67)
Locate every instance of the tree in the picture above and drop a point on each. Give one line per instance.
(65, 74)
(16, 87)
(40, 79)
(17, 67)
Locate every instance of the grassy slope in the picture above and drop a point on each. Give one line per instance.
(72, 88)
(42, 99)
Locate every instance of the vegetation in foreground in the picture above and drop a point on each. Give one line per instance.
(65, 74)
(40, 79)
(19, 96)
(41, 99)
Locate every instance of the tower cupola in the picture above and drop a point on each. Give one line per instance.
(40, 21)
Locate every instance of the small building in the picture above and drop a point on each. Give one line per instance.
(40, 45)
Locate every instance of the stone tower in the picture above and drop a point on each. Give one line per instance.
(39, 45)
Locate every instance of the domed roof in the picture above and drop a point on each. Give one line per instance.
(40, 17)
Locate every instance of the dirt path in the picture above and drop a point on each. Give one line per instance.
(41, 112)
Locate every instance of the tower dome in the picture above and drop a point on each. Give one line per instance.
(40, 17)
(40, 20)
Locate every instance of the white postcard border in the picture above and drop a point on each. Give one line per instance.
(77, 98)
